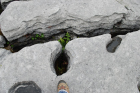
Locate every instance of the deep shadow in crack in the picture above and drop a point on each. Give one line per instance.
(61, 64)
(1, 10)
(114, 34)
(116, 31)
(29, 40)
(138, 86)
(26, 40)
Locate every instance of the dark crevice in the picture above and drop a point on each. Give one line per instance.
(118, 24)
(1, 10)
(113, 31)
(114, 34)
(122, 31)
(26, 40)
(61, 64)
(4, 5)
(138, 86)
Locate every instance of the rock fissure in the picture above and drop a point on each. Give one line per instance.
(96, 28)
(26, 40)
(138, 86)
(61, 64)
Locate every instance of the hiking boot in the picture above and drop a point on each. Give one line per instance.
(62, 86)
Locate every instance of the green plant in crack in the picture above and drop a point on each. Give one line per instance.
(60, 70)
(64, 40)
(33, 38)
(8, 43)
(67, 38)
(12, 46)
(37, 36)
(42, 35)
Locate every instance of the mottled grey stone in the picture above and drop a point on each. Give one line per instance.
(4, 3)
(133, 7)
(111, 47)
(94, 70)
(79, 17)
(3, 55)
(34, 63)
(91, 67)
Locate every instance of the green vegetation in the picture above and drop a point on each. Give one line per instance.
(38, 36)
(64, 40)
(60, 70)
(8, 43)
(12, 46)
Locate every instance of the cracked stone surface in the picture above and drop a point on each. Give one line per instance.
(91, 68)
(95, 69)
(80, 16)
(33, 63)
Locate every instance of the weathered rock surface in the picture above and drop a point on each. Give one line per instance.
(81, 16)
(133, 7)
(2, 41)
(3, 55)
(33, 63)
(4, 3)
(92, 69)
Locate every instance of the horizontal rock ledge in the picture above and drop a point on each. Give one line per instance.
(20, 18)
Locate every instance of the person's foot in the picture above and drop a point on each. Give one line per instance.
(62, 86)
